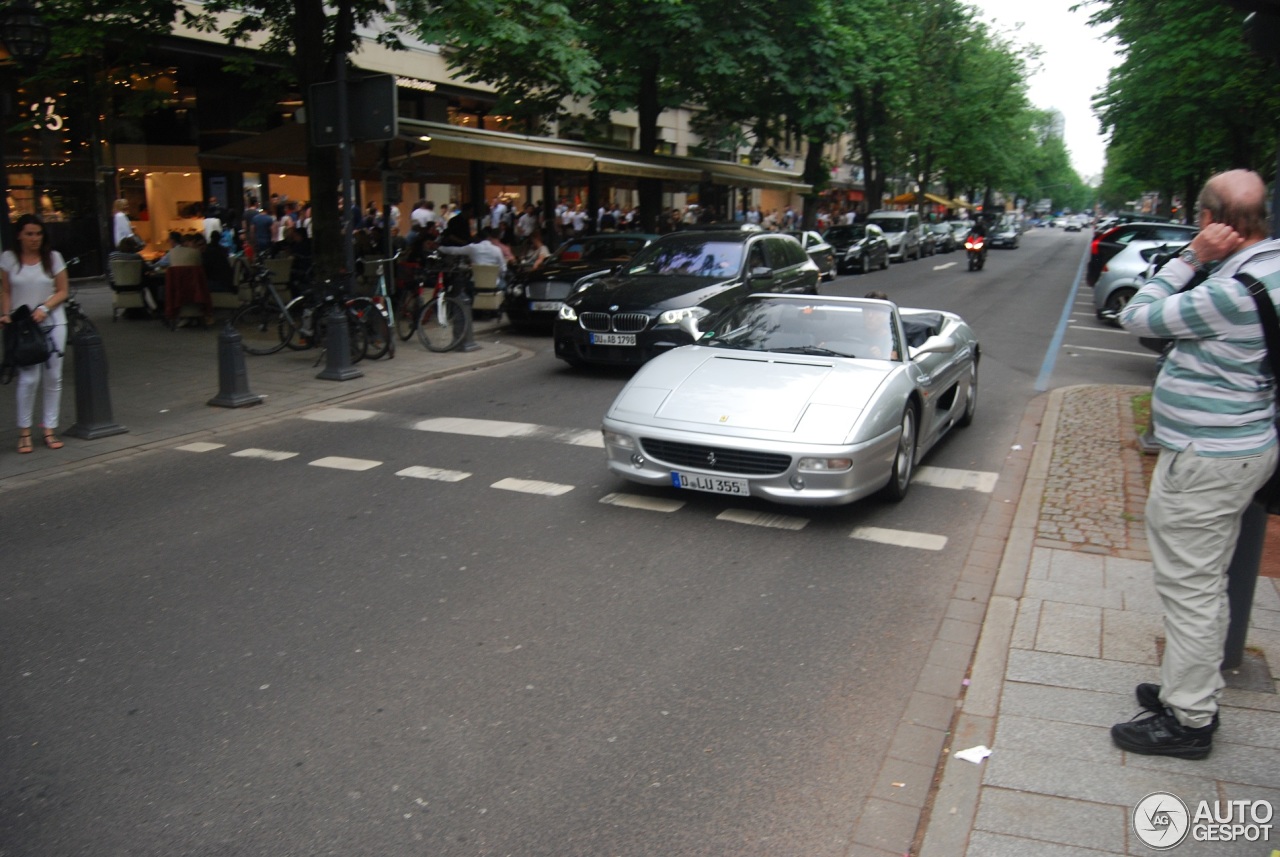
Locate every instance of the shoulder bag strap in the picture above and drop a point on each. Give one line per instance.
(1267, 317)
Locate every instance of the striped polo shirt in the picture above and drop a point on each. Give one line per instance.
(1214, 392)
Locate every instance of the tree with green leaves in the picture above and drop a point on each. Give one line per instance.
(1181, 106)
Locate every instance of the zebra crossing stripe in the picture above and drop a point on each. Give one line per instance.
(762, 519)
(950, 477)
(637, 501)
(340, 415)
(200, 446)
(338, 462)
(479, 428)
(435, 473)
(532, 486)
(900, 538)
(265, 454)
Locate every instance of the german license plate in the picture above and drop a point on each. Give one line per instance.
(545, 306)
(710, 484)
(613, 339)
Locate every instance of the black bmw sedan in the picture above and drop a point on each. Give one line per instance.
(627, 317)
(534, 297)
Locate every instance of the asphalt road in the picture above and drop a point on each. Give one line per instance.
(435, 625)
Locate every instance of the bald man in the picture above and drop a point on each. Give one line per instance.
(1213, 410)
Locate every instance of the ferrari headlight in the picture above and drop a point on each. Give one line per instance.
(568, 313)
(824, 465)
(622, 441)
(675, 316)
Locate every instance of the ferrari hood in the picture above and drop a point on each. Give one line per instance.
(765, 394)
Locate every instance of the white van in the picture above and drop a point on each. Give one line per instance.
(902, 231)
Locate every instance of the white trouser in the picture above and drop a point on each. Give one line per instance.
(29, 378)
(1193, 522)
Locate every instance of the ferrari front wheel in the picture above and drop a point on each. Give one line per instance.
(904, 458)
(971, 397)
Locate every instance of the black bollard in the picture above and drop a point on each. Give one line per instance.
(337, 345)
(93, 398)
(1242, 579)
(233, 375)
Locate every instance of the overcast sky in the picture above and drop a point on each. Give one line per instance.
(1073, 66)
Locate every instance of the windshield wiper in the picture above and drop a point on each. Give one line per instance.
(817, 350)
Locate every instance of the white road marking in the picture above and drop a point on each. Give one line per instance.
(199, 446)
(498, 428)
(581, 438)
(340, 415)
(478, 428)
(338, 462)
(637, 501)
(1150, 354)
(433, 473)
(762, 519)
(266, 454)
(900, 538)
(532, 486)
(945, 266)
(950, 477)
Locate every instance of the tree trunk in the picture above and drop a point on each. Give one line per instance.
(815, 177)
(648, 110)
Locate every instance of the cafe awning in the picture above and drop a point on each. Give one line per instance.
(436, 146)
(910, 199)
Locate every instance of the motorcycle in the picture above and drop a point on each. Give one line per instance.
(976, 247)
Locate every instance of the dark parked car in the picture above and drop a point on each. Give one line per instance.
(648, 306)
(943, 237)
(819, 250)
(1151, 234)
(1005, 233)
(860, 247)
(535, 297)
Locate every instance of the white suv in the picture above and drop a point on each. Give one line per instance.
(902, 231)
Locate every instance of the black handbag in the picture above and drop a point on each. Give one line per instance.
(25, 344)
(1269, 494)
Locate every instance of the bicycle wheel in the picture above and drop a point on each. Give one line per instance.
(408, 309)
(263, 328)
(303, 332)
(367, 313)
(357, 333)
(443, 324)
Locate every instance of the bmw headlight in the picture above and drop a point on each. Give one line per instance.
(568, 313)
(516, 290)
(675, 316)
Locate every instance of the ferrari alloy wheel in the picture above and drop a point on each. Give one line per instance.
(904, 458)
(971, 398)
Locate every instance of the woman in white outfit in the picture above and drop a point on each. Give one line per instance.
(121, 225)
(36, 276)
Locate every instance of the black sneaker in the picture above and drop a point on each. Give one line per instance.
(1148, 695)
(1162, 735)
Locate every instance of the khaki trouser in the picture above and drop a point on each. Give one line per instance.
(1193, 521)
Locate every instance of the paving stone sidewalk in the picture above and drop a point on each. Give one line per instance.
(1073, 623)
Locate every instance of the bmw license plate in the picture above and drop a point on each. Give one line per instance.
(613, 339)
(710, 484)
(545, 306)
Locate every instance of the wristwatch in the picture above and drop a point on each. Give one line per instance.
(1189, 256)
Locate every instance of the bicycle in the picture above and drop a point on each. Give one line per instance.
(443, 323)
(264, 323)
(308, 316)
(373, 311)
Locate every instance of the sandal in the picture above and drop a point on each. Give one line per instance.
(24, 443)
(51, 440)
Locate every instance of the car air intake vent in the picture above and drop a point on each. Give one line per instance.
(715, 458)
(630, 322)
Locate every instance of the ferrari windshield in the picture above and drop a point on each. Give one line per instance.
(689, 256)
(795, 327)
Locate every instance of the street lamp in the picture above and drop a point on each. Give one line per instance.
(24, 33)
(25, 37)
